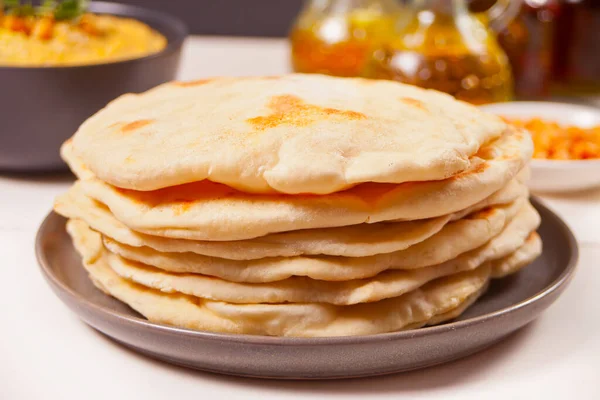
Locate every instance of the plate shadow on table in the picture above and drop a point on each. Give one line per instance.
(427, 379)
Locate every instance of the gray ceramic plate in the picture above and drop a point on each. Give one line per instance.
(509, 304)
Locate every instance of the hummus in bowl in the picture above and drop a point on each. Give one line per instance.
(34, 41)
(58, 71)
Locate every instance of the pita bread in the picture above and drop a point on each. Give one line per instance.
(351, 241)
(456, 238)
(298, 289)
(307, 320)
(519, 259)
(290, 134)
(79, 169)
(456, 312)
(214, 212)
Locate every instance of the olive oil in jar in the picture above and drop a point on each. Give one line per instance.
(440, 45)
(336, 37)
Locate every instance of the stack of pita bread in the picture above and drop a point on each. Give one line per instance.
(298, 205)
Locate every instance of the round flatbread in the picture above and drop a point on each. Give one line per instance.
(519, 259)
(290, 134)
(348, 241)
(411, 310)
(455, 239)
(298, 289)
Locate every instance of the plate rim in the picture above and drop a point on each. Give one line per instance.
(559, 283)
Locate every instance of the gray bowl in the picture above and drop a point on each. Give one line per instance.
(43, 106)
(508, 305)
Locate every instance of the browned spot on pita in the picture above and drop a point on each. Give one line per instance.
(291, 110)
(478, 169)
(129, 159)
(132, 126)
(414, 102)
(486, 213)
(197, 82)
(181, 207)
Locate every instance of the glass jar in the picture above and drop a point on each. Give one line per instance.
(552, 48)
(336, 37)
(528, 41)
(575, 58)
(440, 44)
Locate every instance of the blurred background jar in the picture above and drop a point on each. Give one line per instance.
(576, 50)
(552, 46)
(443, 45)
(336, 37)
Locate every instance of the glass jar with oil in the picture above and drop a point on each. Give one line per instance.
(440, 44)
(336, 37)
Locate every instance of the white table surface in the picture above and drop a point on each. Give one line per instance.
(46, 352)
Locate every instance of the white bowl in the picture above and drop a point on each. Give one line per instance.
(556, 175)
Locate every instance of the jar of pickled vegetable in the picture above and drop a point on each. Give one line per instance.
(336, 37)
(440, 44)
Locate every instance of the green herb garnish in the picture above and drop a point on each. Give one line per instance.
(70, 9)
(59, 10)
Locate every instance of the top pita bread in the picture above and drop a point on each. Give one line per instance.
(290, 134)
